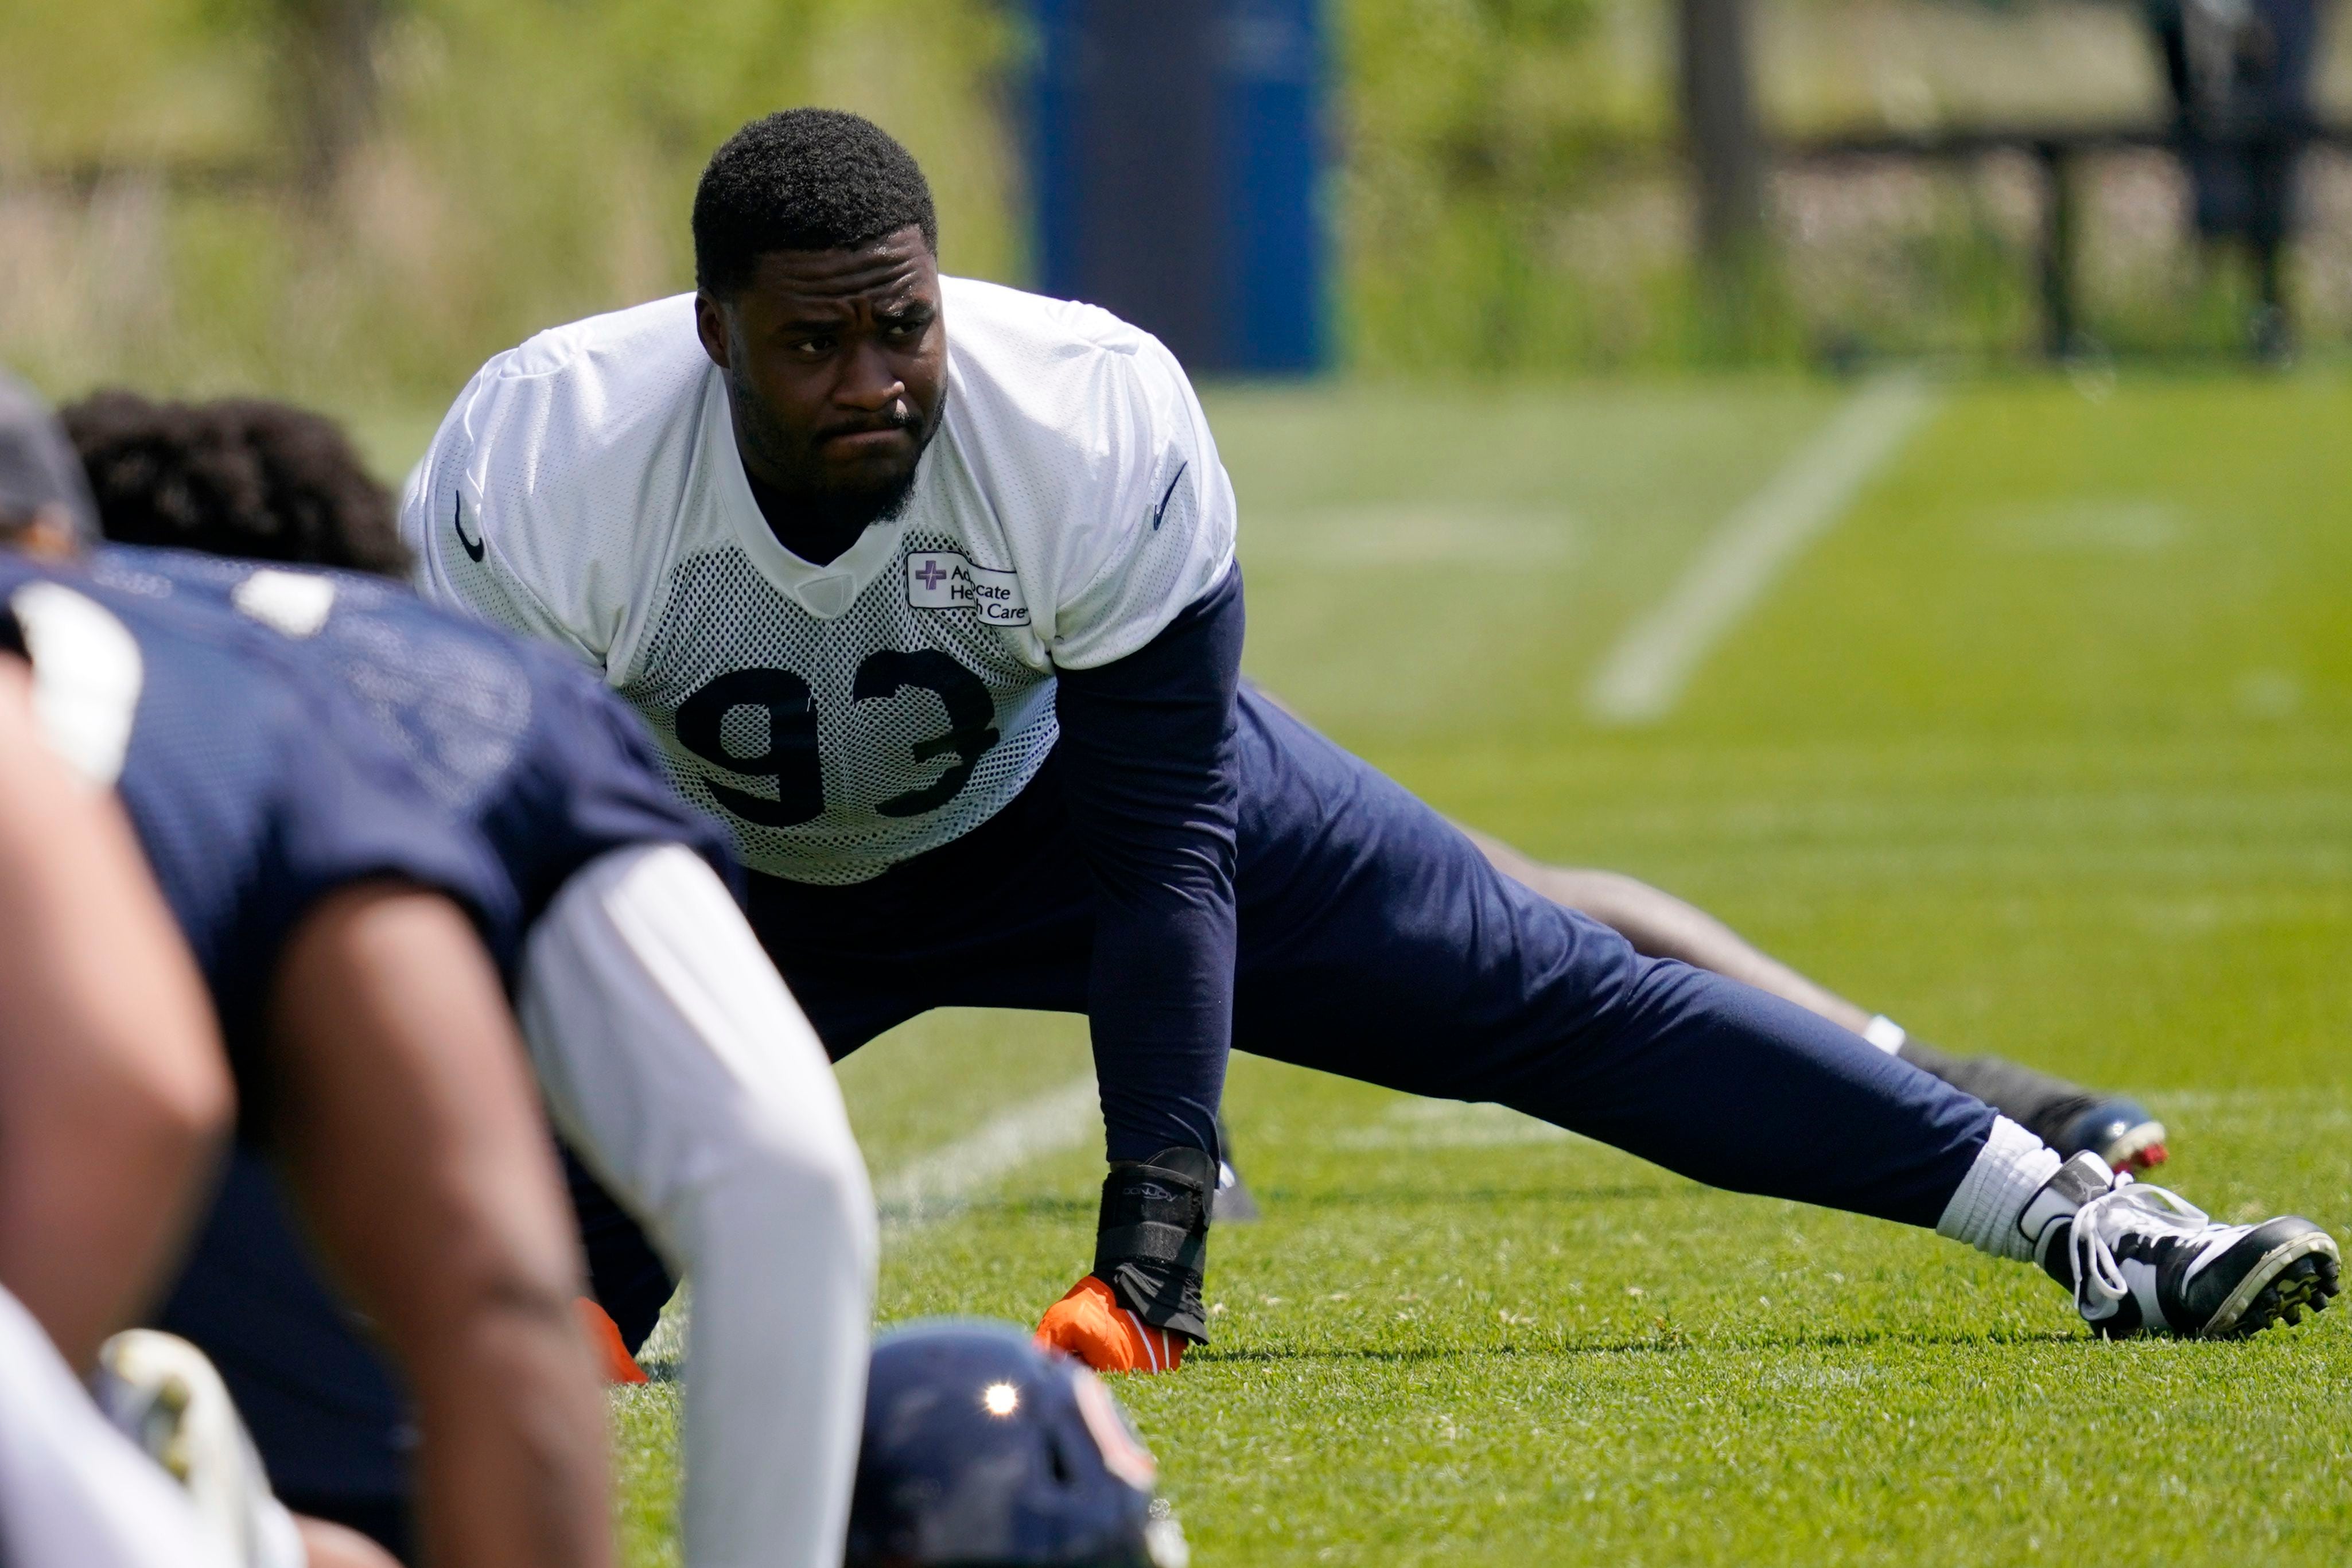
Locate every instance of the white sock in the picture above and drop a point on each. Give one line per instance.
(1885, 1033)
(2010, 1168)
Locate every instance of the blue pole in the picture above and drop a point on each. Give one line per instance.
(1277, 250)
(1175, 163)
(1055, 128)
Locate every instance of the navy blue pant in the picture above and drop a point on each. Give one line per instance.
(1376, 943)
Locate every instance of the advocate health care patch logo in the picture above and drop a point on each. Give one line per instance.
(947, 580)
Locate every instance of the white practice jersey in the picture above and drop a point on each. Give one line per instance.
(840, 718)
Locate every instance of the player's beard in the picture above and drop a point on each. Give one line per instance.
(824, 506)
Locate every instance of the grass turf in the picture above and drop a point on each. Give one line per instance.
(2046, 750)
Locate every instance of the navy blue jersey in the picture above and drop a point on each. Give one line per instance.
(511, 739)
(251, 796)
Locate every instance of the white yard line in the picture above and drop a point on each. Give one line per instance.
(1646, 672)
(930, 1185)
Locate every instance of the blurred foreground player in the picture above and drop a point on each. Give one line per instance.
(672, 1057)
(982, 1450)
(946, 620)
(115, 1100)
(330, 914)
(113, 1103)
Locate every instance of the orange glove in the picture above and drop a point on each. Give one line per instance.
(1091, 1325)
(613, 1357)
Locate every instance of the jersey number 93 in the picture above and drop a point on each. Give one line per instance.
(791, 758)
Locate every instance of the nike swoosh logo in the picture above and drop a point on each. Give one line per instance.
(474, 547)
(1164, 496)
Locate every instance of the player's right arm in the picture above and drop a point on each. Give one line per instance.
(407, 1116)
(1146, 639)
(677, 1065)
(114, 1093)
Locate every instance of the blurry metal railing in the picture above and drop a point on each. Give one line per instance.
(2058, 152)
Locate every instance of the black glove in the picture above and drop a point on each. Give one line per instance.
(1152, 1241)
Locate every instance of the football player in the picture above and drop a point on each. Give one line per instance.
(667, 1048)
(928, 586)
(251, 477)
(113, 1104)
(115, 1100)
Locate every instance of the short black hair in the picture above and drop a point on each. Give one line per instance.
(237, 476)
(804, 179)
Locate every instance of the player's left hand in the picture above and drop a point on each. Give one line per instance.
(1091, 1325)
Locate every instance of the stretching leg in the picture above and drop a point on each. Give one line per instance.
(2064, 1114)
(1376, 942)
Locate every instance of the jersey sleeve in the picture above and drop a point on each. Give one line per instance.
(254, 800)
(346, 815)
(590, 782)
(338, 822)
(494, 514)
(1155, 529)
(1148, 746)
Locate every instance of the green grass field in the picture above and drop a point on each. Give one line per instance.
(2046, 748)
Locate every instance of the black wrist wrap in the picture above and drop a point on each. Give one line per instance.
(1152, 1242)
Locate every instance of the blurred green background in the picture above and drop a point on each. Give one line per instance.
(356, 201)
(2045, 749)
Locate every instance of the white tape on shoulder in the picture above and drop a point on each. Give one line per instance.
(87, 676)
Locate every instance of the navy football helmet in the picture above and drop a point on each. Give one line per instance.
(982, 1449)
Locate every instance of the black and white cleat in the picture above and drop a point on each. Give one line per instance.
(2141, 1260)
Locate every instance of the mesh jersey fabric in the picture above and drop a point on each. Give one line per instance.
(586, 487)
(883, 728)
(509, 739)
(251, 794)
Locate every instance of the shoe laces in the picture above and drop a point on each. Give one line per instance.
(2127, 1205)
